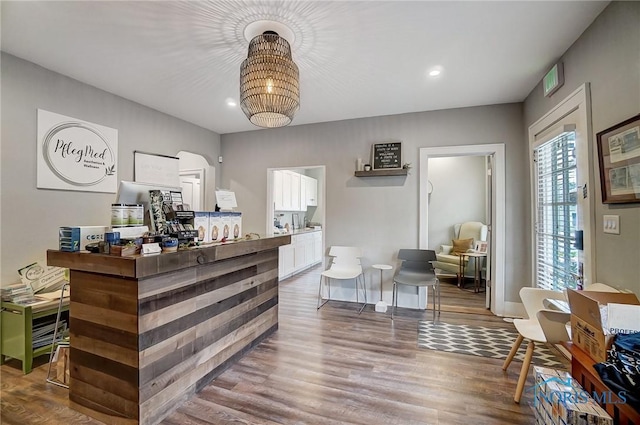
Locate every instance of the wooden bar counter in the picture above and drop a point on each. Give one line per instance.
(149, 331)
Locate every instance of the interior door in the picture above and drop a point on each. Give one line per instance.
(191, 192)
(489, 220)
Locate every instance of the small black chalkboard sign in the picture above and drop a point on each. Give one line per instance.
(387, 156)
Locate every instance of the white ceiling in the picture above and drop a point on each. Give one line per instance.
(356, 59)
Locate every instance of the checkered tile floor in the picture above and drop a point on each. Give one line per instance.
(481, 341)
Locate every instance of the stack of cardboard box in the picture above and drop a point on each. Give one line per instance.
(589, 331)
(560, 400)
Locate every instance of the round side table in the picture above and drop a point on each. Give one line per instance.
(381, 306)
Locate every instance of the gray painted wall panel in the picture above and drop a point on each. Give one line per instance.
(607, 56)
(31, 217)
(379, 214)
(459, 195)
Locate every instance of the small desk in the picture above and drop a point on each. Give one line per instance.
(477, 278)
(17, 329)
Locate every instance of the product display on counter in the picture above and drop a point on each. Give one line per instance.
(76, 238)
(169, 226)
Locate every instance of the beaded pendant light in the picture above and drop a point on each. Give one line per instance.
(269, 85)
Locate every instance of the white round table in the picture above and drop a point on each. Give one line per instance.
(381, 305)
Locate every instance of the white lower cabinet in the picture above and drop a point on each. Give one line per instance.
(317, 247)
(299, 259)
(285, 261)
(304, 251)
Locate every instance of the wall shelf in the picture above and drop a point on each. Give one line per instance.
(382, 173)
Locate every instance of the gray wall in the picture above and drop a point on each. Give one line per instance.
(607, 56)
(31, 217)
(379, 214)
(459, 195)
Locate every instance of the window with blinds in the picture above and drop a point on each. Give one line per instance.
(556, 212)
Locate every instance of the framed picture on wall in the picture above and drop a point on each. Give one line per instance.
(386, 156)
(619, 161)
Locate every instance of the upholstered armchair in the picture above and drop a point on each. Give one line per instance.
(465, 237)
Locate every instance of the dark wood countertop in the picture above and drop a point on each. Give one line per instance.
(141, 266)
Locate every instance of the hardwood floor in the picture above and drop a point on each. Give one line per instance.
(459, 300)
(330, 366)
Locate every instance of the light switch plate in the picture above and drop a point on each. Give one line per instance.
(611, 224)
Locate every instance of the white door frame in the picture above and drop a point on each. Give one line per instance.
(498, 208)
(580, 102)
(198, 173)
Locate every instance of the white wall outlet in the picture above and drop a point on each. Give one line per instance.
(611, 224)
(220, 159)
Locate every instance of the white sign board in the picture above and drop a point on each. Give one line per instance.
(225, 199)
(76, 155)
(162, 170)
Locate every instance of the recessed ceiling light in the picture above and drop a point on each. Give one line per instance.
(231, 102)
(434, 72)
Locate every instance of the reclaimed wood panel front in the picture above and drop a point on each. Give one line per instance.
(141, 343)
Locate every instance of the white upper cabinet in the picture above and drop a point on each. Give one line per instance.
(293, 191)
(277, 191)
(310, 191)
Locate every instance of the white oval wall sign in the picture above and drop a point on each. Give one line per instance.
(78, 154)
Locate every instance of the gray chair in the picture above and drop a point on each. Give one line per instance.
(417, 270)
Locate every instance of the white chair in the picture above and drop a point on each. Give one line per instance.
(600, 287)
(345, 265)
(532, 330)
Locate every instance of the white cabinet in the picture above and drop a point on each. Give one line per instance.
(299, 257)
(308, 251)
(303, 192)
(310, 191)
(317, 247)
(304, 251)
(277, 191)
(286, 190)
(286, 264)
(293, 191)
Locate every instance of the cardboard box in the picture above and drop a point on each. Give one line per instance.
(76, 238)
(623, 318)
(235, 225)
(201, 225)
(560, 400)
(586, 320)
(62, 364)
(216, 226)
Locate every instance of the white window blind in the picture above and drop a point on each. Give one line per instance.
(556, 212)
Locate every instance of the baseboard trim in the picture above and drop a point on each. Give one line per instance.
(512, 309)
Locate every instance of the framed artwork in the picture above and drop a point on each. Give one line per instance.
(75, 155)
(386, 156)
(481, 247)
(619, 161)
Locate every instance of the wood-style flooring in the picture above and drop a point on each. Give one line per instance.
(330, 366)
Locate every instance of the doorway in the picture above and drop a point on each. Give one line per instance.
(560, 141)
(461, 196)
(496, 202)
(314, 214)
(192, 190)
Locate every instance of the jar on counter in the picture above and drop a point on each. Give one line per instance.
(119, 215)
(135, 214)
